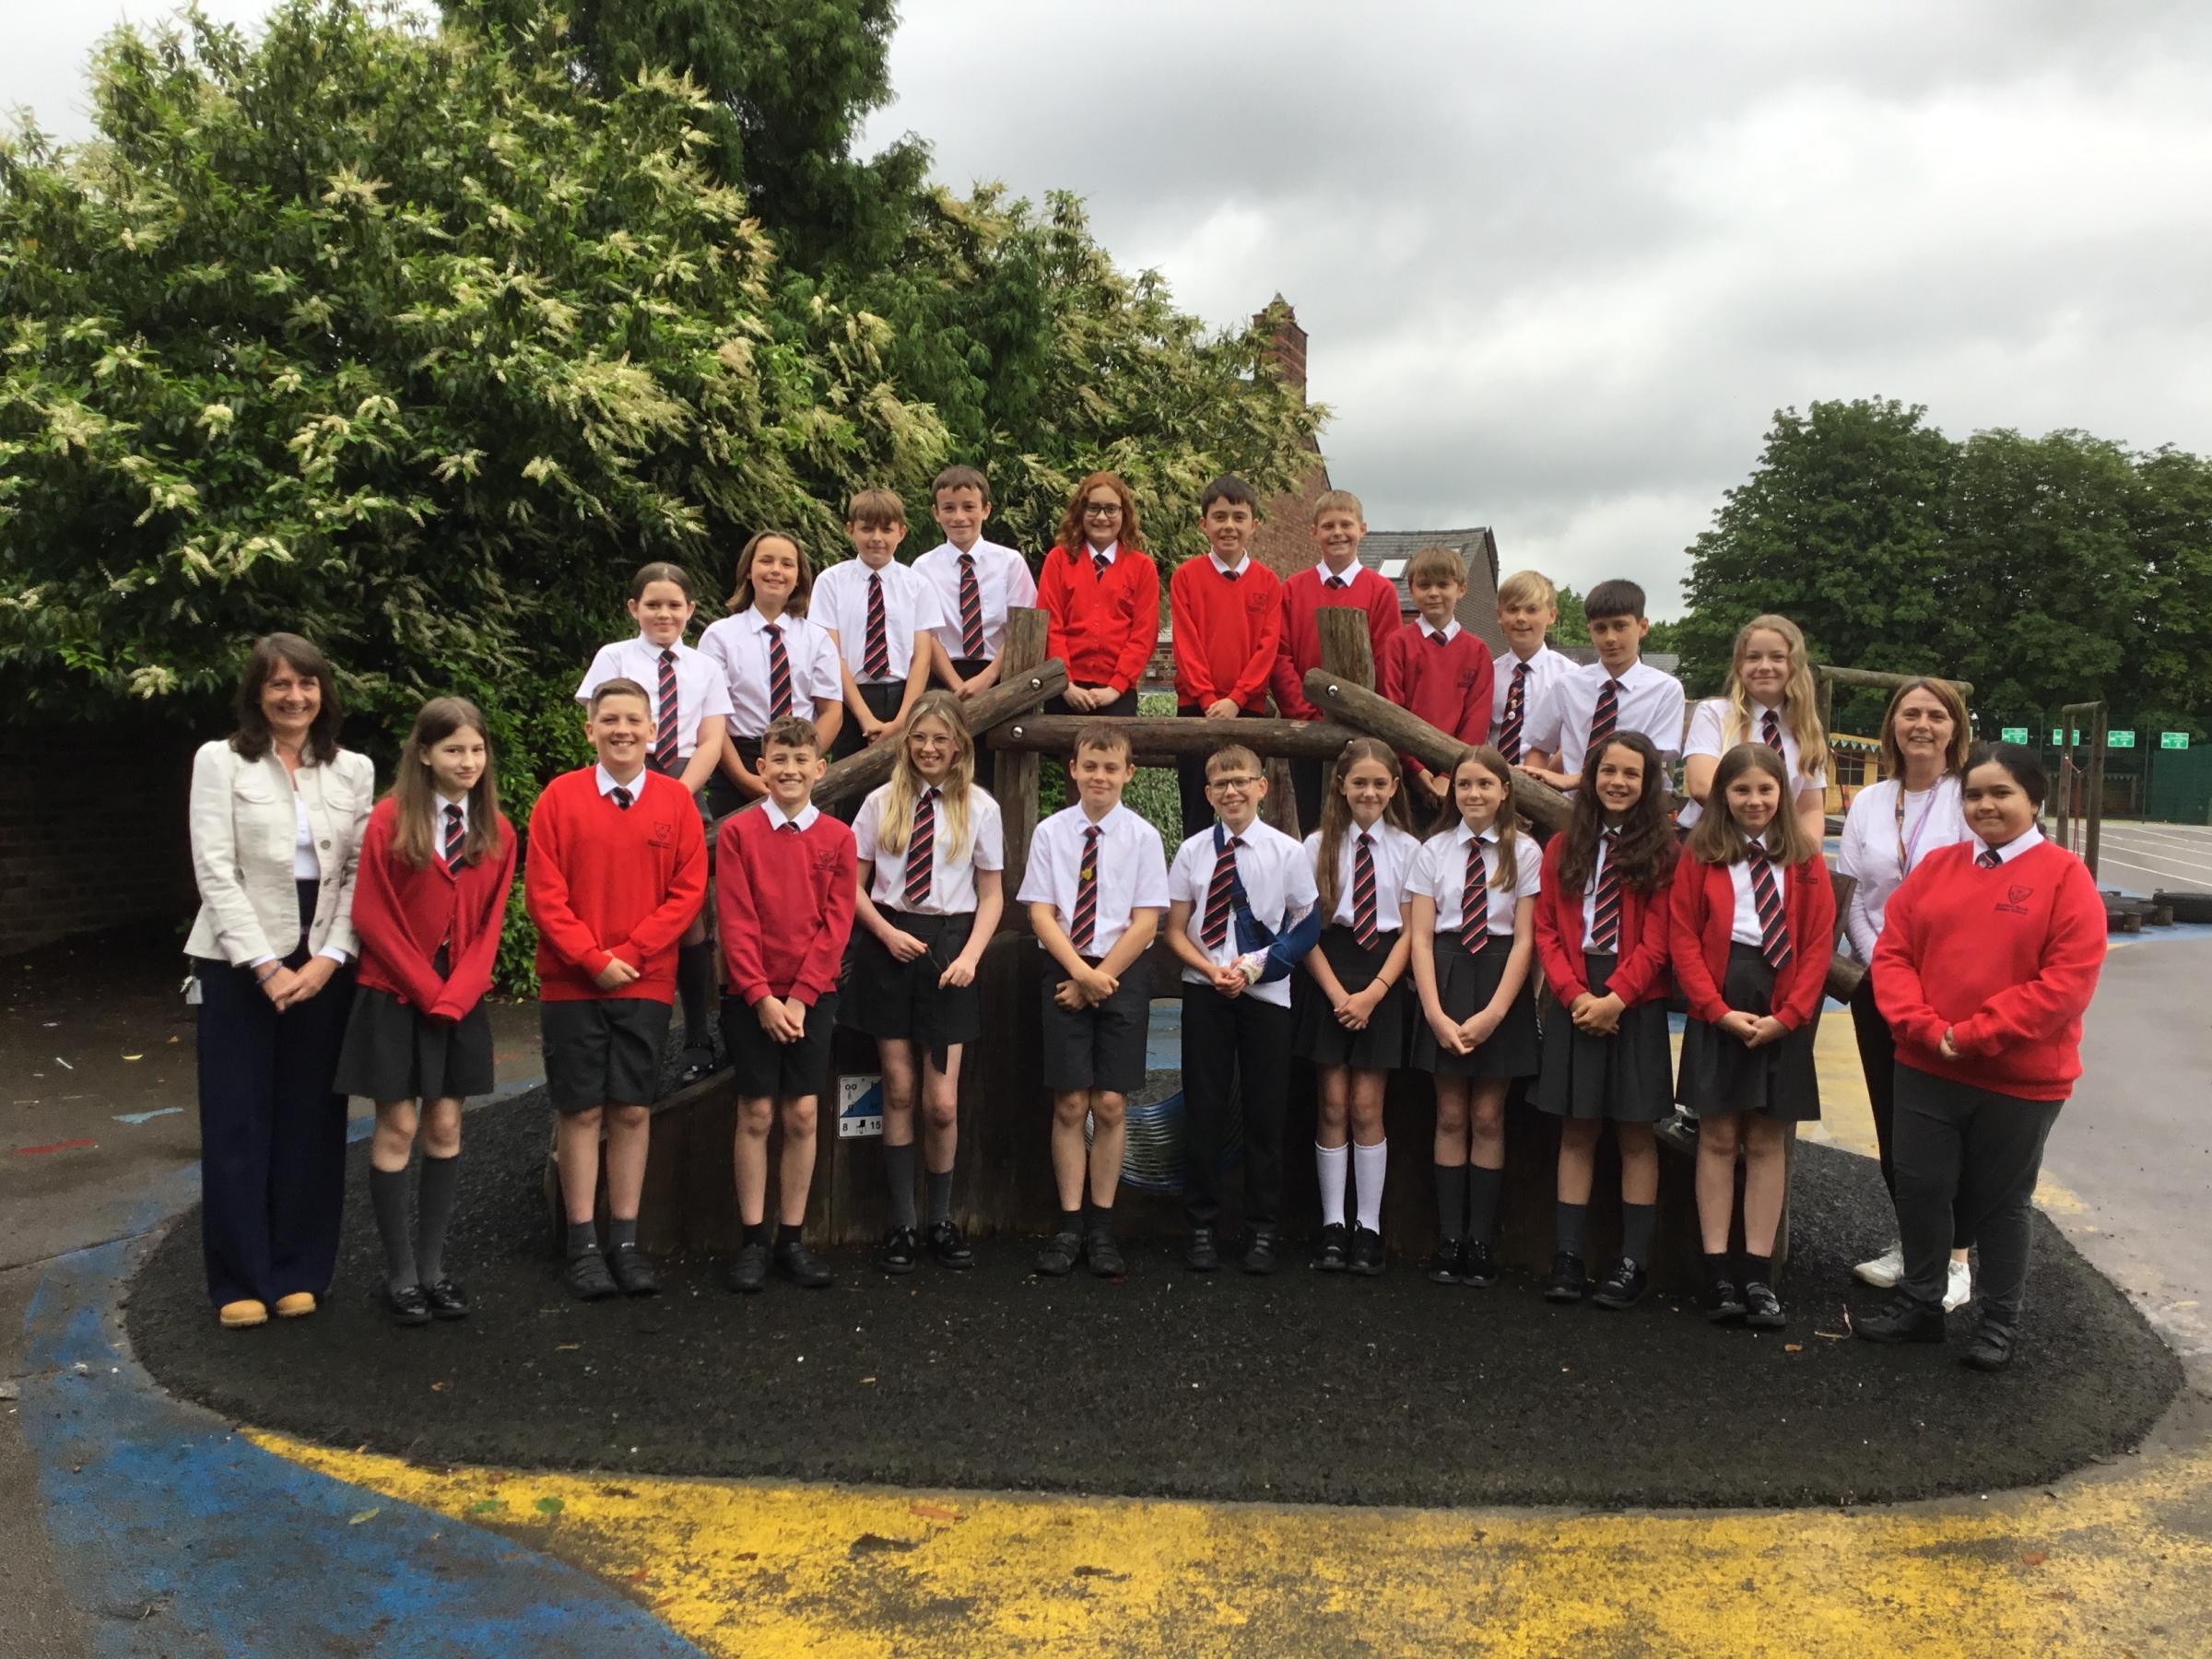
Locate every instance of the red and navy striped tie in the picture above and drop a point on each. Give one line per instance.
(1605, 915)
(1364, 929)
(971, 610)
(1086, 924)
(1213, 933)
(875, 663)
(1770, 728)
(664, 737)
(1475, 900)
(1766, 895)
(1607, 717)
(779, 673)
(921, 854)
(1516, 711)
(1987, 858)
(456, 836)
(1100, 565)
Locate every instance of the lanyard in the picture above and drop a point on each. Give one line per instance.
(1906, 851)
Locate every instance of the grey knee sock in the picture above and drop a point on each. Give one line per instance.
(1637, 1220)
(695, 988)
(1483, 1188)
(1567, 1228)
(434, 1213)
(939, 1189)
(899, 1170)
(1451, 1201)
(584, 1238)
(388, 1197)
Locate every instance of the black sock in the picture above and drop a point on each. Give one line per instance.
(1567, 1228)
(938, 1186)
(695, 986)
(1483, 1189)
(388, 1197)
(1071, 1221)
(899, 1173)
(584, 1238)
(1757, 1270)
(788, 1234)
(434, 1213)
(1452, 1201)
(757, 1233)
(1637, 1222)
(1716, 1268)
(1102, 1217)
(622, 1235)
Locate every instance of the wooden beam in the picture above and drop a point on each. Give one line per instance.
(1164, 741)
(1345, 651)
(852, 777)
(1885, 682)
(1021, 656)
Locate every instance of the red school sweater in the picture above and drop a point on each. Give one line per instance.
(1447, 684)
(1299, 647)
(2005, 959)
(1640, 968)
(1704, 919)
(402, 914)
(784, 899)
(601, 882)
(1226, 628)
(1103, 629)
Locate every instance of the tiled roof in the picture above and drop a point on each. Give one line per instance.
(1389, 552)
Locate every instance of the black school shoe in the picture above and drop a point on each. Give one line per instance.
(1331, 1257)
(1622, 1285)
(1902, 1319)
(900, 1251)
(633, 1271)
(949, 1245)
(1992, 1348)
(1060, 1254)
(1762, 1308)
(408, 1305)
(587, 1277)
(1447, 1266)
(747, 1271)
(1568, 1282)
(801, 1265)
(1104, 1255)
(1478, 1265)
(447, 1300)
(698, 1062)
(1366, 1253)
(1200, 1254)
(1723, 1303)
(1262, 1247)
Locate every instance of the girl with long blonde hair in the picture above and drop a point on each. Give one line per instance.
(1769, 699)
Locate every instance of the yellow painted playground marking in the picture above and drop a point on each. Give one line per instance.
(2115, 1566)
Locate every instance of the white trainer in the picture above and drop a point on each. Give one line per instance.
(1960, 1290)
(1885, 1270)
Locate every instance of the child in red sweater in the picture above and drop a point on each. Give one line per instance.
(785, 875)
(1339, 526)
(1754, 923)
(1439, 670)
(1989, 956)
(436, 862)
(1100, 594)
(617, 869)
(1228, 615)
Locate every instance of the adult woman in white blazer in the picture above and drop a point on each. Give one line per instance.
(277, 810)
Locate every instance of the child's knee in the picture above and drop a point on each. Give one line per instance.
(1070, 1107)
(756, 1115)
(1107, 1108)
(630, 1120)
(941, 1109)
(1720, 1136)
(1489, 1115)
(587, 1122)
(441, 1130)
(397, 1123)
(1579, 1134)
(799, 1115)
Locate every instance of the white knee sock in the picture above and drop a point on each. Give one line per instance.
(1332, 1162)
(1367, 1166)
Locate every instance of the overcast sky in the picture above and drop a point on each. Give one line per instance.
(1560, 264)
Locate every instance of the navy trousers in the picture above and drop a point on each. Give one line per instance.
(272, 1135)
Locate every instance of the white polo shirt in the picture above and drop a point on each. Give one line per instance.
(700, 689)
(1709, 725)
(839, 602)
(1278, 887)
(1003, 581)
(952, 881)
(738, 646)
(1133, 870)
(1440, 872)
(1649, 702)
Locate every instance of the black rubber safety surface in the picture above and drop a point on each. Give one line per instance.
(1303, 1387)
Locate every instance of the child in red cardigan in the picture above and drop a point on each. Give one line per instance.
(1603, 915)
(1754, 924)
(1100, 594)
(436, 862)
(1439, 670)
(785, 881)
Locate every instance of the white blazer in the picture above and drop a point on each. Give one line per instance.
(243, 833)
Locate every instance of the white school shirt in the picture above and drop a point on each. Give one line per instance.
(437, 809)
(1744, 929)
(1002, 578)
(1278, 887)
(839, 602)
(737, 645)
(1709, 735)
(1133, 870)
(1394, 851)
(1870, 850)
(2029, 837)
(1597, 868)
(700, 689)
(802, 820)
(1650, 703)
(1546, 669)
(952, 878)
(1440, 871)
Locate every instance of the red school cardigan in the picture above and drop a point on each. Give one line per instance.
(402, 914)
(1105, 629)
(1704, 916)
(1640, 972)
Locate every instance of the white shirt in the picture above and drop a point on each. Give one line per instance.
(700, 689)
(1440, 871)
(1003, 581)
(608, 783)
(839, 602)
(1450, 630)
(1278, 887)
(802, 819)
(1236, 569)
(439, 808)
(1879, 853)
(1394, 851)
(307, 866)
(1133, 870)
(1650, 703)
(1744, 929)
(1597, 868)
(1545, 670)
(1709, 735)
(2029, 837)
(952, 869)
(739, 647)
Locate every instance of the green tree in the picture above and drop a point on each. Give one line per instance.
(1572, 627)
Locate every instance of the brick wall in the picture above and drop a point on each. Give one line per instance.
(92, 831)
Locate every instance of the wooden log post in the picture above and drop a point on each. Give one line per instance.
(1345, 651)
(1020, 655)
(852, 777)
(1162, 742)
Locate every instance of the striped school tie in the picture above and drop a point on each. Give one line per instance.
(876, 662)
(1336, 581)
(1364, 929)
(921, 854)
(1987, 858)
(1475, 901)
(1605, 919)
(779, 673)
(1086, 924)
(971, 610)
(664, 737)
(1100, 565)
(456, 833)
(1765, 896)
(1516, 711)
(622, 797)
(1607, 717)
(1213, 933)
(1770, 728)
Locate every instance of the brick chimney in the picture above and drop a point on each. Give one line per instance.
(1287, 347)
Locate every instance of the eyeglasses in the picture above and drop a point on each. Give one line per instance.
(1235, 781)
(1103, 509)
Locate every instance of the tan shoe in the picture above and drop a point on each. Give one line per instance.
(242, 1315)
(298, 1305)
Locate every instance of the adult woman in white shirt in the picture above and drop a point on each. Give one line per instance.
(1890, 829)
(277, 810)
